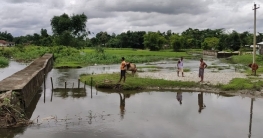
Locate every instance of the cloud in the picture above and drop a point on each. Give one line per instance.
(29, 16)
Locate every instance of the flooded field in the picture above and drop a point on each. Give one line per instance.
(82, 113)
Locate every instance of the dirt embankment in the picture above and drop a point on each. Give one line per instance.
(11, 115)
(210, 78)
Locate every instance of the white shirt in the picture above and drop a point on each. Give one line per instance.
(180, 65)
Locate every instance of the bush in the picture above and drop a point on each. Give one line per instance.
(3, 62)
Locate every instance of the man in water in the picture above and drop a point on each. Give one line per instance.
(123, 69)
(180, 67)
(202, 69)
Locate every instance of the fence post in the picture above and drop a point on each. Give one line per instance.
(51, 83)
(78, 83)
(44, 81)
(91, 86)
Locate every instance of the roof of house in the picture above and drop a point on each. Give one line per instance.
(3, 42)
(252, 45)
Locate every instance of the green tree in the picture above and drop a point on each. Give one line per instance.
(235, 41)
(69, 30)
(154, 41)
(103, 38)
(6, 36)
(61, 24)
(177, 42)
(210, 43)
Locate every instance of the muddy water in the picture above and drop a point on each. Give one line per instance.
(147, 114)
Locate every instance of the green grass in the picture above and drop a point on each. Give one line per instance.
(247, 59)
(4, 62)
(242, 84)
(242, 59)
(139, 67)
(133, 83)
(187, 70)
(131, 53)
(71, 57)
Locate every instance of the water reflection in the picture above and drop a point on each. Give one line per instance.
(179, 97)
(153, 111)
(11, 133)
(72, 92)
(250, 119)
(32, 106)
(201, 102)
(122, 103)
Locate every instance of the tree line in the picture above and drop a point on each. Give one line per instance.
(71, 31)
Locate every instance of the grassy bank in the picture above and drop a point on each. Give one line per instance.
(71, 57)
(110, 81)
(133, 83)
(4, 62)
(243, 84)
(245, 60)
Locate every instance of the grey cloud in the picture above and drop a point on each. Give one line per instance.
(159, 6)
(29, 16)
(21, 1)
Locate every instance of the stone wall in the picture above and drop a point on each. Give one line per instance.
(219, 54)
(210, 53)
(31, 88)
(28, 81)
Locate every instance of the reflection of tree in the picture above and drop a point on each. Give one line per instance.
(250, 120)
(201, 102)
(122, 103)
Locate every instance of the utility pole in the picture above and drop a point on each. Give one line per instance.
(254, 42)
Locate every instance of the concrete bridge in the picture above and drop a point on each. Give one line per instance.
(27, 81)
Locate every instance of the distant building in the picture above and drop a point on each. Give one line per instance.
(5, 43)
(252, 46)
(260, 44)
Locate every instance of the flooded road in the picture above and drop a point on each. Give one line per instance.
(146, 114)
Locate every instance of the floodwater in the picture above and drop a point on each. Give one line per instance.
(82, 113)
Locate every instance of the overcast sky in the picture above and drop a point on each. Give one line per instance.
(22, 17)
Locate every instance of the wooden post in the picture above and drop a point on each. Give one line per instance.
(73, 85)
(91, 82)
(44, 95)
(51, 95)
(91, 86)
(51, 89)
(44, 88)
(44, 81)
(65, 85)
(84, 84)
(78, 83)
(51, 83)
